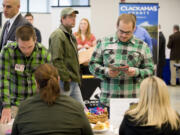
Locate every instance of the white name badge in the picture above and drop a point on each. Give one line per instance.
(112, 46)
(19, 67)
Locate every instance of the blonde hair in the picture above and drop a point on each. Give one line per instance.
(88, 31)
(154, 107)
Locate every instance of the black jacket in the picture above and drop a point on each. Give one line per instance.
(19, 21)
(38, 34)
(128, 127)
(174, 46)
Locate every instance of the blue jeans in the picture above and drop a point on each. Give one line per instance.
(74, 91)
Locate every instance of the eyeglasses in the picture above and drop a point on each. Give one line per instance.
(124, 32)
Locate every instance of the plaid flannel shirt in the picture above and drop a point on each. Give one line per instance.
(17, 81)
(111, 51)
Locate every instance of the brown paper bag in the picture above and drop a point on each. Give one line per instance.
(85, 56)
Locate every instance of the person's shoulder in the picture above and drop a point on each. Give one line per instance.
(75, 33)
(11, 46)
(69, 100)
(92, 35)
(29, 101)
(140, 44)
(108, 39)
(41, 46)
(141, 28)
(177, 34)
(137, 41)
(173, 35)
(22, 21)
(37, 30)
(129, 120)
(57, 33)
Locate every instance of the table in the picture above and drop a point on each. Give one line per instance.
(118, 107)
(111, 131)
(5, 129)
(106, 133)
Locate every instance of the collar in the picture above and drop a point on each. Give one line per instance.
(131, 41)
(11, 20)
(65, 29)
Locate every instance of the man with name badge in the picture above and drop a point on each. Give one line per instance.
(18, 61)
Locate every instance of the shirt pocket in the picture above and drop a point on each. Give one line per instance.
(109, 57)
(134, 58)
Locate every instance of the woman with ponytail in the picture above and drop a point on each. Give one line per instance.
(49, 112)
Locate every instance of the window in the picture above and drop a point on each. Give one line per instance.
(42, 6)
(39, 6)
(72, 3)
(23, 6)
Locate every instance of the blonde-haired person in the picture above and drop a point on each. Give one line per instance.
(153, 115)
(50, 112)
(84, 37)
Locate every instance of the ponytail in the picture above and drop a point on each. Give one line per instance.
(47, 80)
(51, 91)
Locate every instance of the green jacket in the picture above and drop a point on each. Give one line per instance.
(63, 48)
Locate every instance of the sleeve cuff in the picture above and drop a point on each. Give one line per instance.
(106, 71)
(137, 72)
(6, 105)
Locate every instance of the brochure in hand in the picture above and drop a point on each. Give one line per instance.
(120, 68)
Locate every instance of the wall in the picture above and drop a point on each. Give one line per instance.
(47, 23)
(168, 16)
(103, 15)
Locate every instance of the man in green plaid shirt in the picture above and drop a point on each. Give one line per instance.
(18, 61)
(121, 62)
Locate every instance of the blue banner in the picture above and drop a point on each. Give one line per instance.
(146, 13)
(146, 16)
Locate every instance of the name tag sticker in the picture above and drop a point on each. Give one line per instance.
(113, 46)
(19, 67)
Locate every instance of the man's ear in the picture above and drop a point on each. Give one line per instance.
(35, 40)
(134, 28)
(37, 86)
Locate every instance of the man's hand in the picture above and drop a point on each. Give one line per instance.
(113, 73)
(6, 115)
(131, 71)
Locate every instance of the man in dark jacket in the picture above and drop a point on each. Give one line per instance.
(161, 55)
(30, 19)
(11, 11)
(63, 48)
(174, 46)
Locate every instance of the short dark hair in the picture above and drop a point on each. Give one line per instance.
(176, 27)
(29, 14)
(25, 32)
